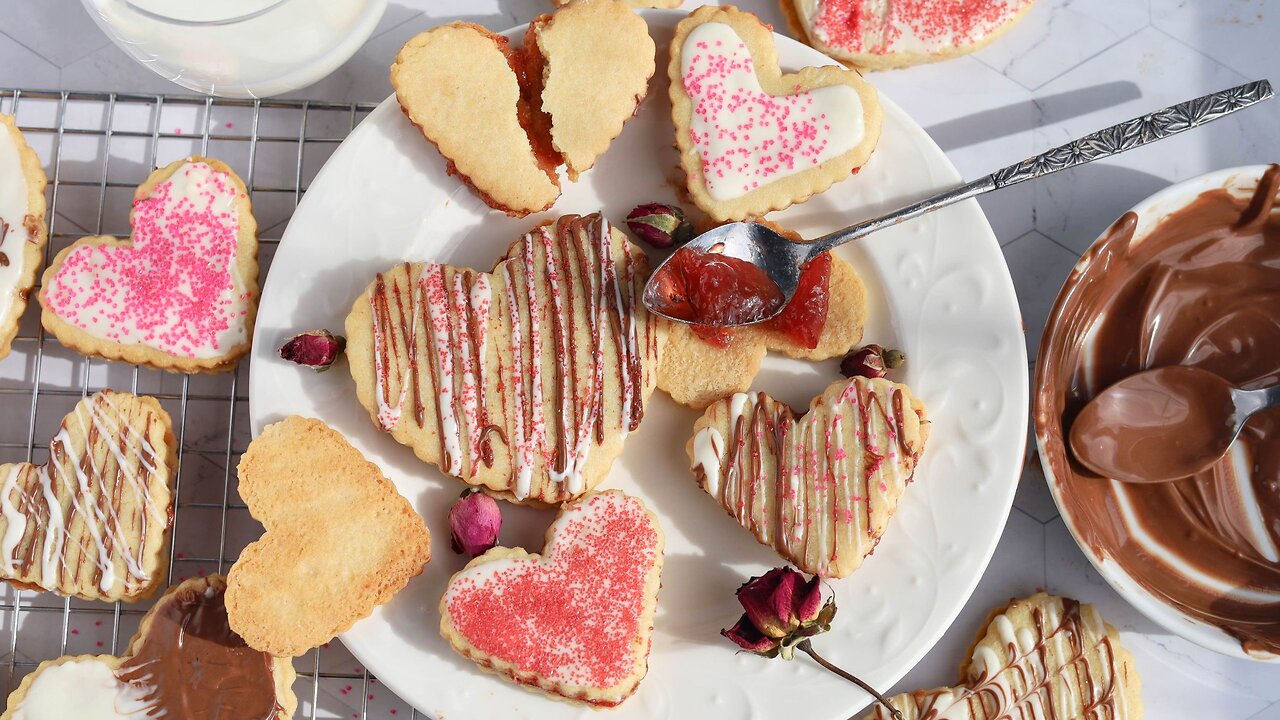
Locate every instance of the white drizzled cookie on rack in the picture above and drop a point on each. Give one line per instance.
(180, 293)
(524, 381)
(93, 521)
(818, 489)
(1041, 657)
(575, 621)
(23, 232)
(185, 662)
(753, 139)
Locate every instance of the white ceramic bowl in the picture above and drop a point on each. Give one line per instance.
(1151, 212)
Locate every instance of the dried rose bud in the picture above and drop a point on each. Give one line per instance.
(893, 359)
(782, 608)
(317, 349)
(474, 522)
(871, 361)
(661, 226)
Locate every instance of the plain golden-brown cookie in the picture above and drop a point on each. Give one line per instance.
(93, 521)
(1044, 656)
(181, 293)
(524, 381)
(23, 231)
(595, 62)
(574, 622)
(696, 372)
(819, 488)
(184, 657)
(880, 35)
(340, 540)
(751, 138)
(459, 84)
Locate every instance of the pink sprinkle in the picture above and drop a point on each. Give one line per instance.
(75, 632)
(177, 131)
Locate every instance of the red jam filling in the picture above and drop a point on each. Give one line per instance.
(712, 289)
(804, 317)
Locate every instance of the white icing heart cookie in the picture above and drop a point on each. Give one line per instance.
(1041, 657)
(524, 381)
(575, 621)
(23, 232)
(181, 293)
(93, 521)
(886, 34)
(751, 138)
(818, 489)
(185, 663)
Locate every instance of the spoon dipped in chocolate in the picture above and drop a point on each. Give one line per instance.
(1164, 424)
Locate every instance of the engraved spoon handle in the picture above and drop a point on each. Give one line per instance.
(1102, 144)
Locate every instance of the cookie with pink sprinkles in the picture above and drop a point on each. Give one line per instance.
(753, 139)
(181, 292)
(574, 622)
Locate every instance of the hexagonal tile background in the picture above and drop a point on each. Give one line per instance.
(1070, 67)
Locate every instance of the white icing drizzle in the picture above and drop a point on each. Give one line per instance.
(522, 450)
(388, 414)
(94, 494)
(431, 288)
(807, 488)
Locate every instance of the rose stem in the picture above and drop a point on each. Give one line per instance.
(807, 647)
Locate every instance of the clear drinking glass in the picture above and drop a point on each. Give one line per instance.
(239, 48)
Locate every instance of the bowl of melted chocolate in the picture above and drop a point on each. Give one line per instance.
(1189, 277)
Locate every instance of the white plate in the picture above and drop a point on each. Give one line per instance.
(1151, 212)
(938, 288)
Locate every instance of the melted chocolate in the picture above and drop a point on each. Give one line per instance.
(1201, 289)
(190, 664)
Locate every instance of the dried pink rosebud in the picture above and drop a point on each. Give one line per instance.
(871, 361)
(661, 226)
(316, 349)
(748, 637)
(474, 523)
(782, 609)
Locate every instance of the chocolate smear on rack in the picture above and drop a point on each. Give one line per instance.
(1201, 288)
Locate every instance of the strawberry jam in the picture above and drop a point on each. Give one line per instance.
(803, 318)
(713, 289)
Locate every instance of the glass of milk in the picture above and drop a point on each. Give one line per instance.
(239, 48)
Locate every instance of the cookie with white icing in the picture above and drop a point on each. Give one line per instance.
(505, 119)
(575, 621)
(819, 488)
(754, 139)
(887, 34)
(638, 3)
(93, 521)
(185, 662)
(340, 539)
(1041, 657)
(23, 232)
(524, 381)
(181, 293)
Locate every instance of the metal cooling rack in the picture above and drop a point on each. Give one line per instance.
(97, 147)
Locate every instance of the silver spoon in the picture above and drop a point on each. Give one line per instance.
(779, 260)
(1164, 424)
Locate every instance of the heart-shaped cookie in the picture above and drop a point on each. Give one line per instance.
(818, 489)
(574, 621)
(525, 380)
(1041, 657)
(23, 232)
(504, 119)
(751, 138)
(340, 540)
(185, 662)
(93, 521)
(181, 293)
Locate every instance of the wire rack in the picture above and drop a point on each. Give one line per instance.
(97, 147)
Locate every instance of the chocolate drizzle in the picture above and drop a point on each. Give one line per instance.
(534, 355)
(188, 663)
(1199, 288)
(820, 489)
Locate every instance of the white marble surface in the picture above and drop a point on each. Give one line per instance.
(1070, 67)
